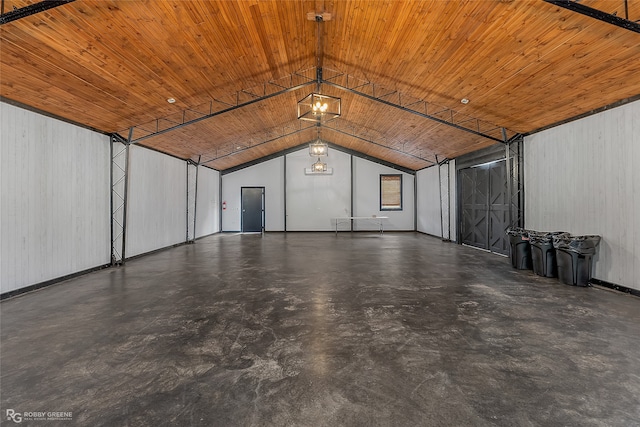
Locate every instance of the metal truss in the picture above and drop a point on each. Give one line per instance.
(29, 10)
(317, 76)
(217, 106)
(371, 136)
(600, 15)
(420, 107)
(515, 179)
(260, 138)
(119, 188)
(192, 199)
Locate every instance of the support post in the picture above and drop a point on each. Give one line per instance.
(284, 189)
(445, 201)
(440, 196)
(119, 188)
(515, 180)
(351, 213)
(449, 201)
(195, 203)
(192, 189)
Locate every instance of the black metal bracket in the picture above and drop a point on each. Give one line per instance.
(597, 14)
(32, 9)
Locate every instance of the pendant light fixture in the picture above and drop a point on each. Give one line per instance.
(317, 107)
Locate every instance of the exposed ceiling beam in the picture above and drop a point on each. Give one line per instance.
(269, 90)
(248, 147)
(284, 131)
(597, 14)
(346, 131)
(376, 93)
(332, 146)
(450, 121)
(31, 9)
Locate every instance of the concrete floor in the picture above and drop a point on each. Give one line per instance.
(310, 329)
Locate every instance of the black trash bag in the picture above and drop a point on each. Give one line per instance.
(585, 245)
(517, 231)
(575, 258)
(546, 236)
(543, 254)
(520, 248)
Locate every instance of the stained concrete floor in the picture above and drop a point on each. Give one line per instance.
(310, 329)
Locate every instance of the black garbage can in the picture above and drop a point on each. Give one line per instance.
(543, 254)
(520, 248)
(574, 255)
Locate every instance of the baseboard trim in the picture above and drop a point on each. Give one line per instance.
(620, 288)
(208, 235)
(47, 283)
(175, 245)
(436, 236)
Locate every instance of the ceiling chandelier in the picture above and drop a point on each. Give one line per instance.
(318, 148)
(316, 107)
(319, 166)
(319, 108)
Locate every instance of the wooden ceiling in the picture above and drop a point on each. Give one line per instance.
(112, 65)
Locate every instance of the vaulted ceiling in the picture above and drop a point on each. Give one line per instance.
(237, 69)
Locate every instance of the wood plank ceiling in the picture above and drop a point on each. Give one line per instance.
(112, 65)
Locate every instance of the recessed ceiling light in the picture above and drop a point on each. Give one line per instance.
(464, 100)
(171, 100)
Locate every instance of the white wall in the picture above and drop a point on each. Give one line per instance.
(428, 201)
(54, 213)
(312, 200)
(582, 177)
(269, 174)
(208, 206)
(157, 197)
(366, 197)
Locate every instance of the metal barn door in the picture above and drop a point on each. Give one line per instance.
(484, 207)
(252, 209)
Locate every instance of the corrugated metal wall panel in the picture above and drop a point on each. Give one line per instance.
(581, 177)
(55, 212)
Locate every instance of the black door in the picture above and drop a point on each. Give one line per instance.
(484, 207)
(252, 209)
